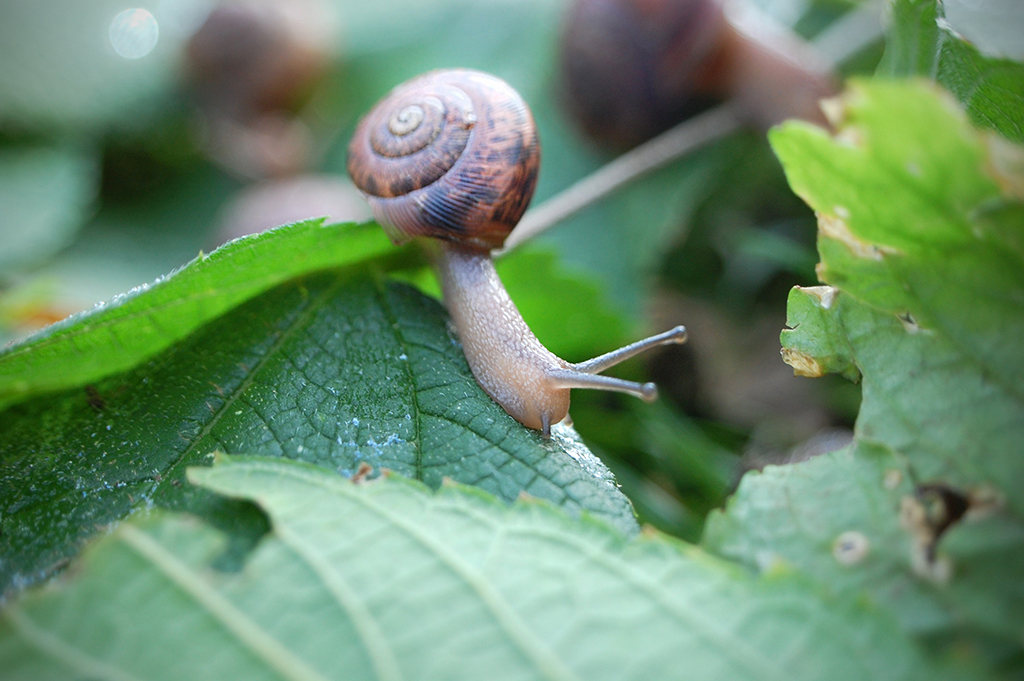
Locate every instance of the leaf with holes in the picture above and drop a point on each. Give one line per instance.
(385, 580)
(920, 236)
(855, 520)
(920, 240)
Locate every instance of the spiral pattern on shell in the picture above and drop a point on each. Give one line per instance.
(451, 155)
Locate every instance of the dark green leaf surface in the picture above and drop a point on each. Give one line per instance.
(336, 369)
(117, 335)
(387, 581)
(921, 42)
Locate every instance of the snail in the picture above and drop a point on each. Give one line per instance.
(250, 66)
(633, 68)
(251, 57)
(453, 155)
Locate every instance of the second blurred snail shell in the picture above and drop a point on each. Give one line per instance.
(633, 68)
(450, 155)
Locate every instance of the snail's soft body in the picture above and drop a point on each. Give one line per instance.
(506, 358)
(454, 155)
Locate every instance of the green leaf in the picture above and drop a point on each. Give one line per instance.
(930, 288)
(131, 328)
(846, 518)
(46, 193)
(385, 580)
(920, 240)
(336, 369)
(921, 42)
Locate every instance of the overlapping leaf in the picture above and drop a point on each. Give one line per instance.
(387, 581)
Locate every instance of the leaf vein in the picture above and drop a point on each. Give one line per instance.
(250, 634)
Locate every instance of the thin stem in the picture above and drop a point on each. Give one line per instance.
(651, 155)
(846, 37)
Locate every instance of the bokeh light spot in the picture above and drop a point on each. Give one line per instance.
(133, 33)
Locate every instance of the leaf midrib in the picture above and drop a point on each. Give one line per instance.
(380, 290)
(300, 321)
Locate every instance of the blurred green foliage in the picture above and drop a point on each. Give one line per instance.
(719, 227)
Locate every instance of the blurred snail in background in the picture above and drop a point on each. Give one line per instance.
(453, 155)
(633, 68)
(249, 65)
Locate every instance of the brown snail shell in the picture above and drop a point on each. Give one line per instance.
(451, 155)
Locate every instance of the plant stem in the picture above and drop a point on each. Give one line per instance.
(651, 155)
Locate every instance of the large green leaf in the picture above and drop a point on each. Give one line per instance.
(117, 335)
(922, 247)
(926, 253)
(385, 580)
(921, 42)
(336, 369)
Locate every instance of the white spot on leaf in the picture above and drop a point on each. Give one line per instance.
(850, 548)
